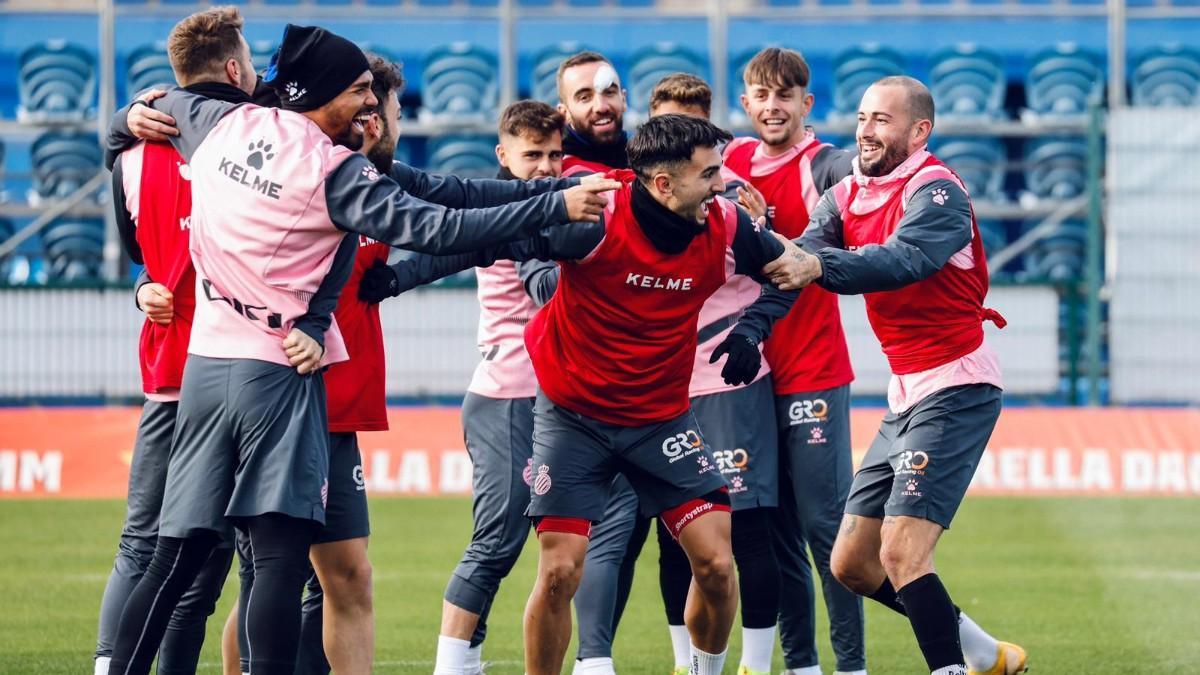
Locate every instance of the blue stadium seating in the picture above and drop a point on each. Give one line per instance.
(460, 80)
(1064, 80)
(1059, 256)
(57, 81)
(473, 156)
(62, 162)
(857, 68)
(993, 235)
(979, 162)
(148, 67)
(74, 249)
(1167, 76)
(650, 64)
(3, 192)
(1056, 168)
(544, 85)
(967, 81)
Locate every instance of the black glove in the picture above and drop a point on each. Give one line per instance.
(379, 282)
(744, 359)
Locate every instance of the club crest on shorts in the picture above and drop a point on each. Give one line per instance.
(541, 484)
(527, 473)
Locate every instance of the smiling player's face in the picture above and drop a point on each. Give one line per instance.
(527, 157)
(593, 101)
(693, 186)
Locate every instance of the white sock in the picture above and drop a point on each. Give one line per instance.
(980, 650)
(474, 661)
(101, 665)
(681, 644)
(595, 665)
(451, 656)
(810, 670)
(958, 669)
(704, 663)
(757, 644)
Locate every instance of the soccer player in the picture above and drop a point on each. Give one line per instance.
(593, 102)
(261, 245)
(902, 232)
(613, 352)
(152, 200)
(738, 422)
(810, 363)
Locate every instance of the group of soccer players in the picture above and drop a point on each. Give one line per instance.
(650, 350)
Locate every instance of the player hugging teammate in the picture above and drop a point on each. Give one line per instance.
(642, 359)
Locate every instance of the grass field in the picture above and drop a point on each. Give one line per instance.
(1088, 586)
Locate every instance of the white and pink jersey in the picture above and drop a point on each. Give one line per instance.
(261, 248)
(717, 318)
(504, 310)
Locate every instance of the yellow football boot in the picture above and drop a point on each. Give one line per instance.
(1009, 661)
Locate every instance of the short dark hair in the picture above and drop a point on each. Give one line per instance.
(777, 67)
(578, 59)
(200, 45)
(670, 140)
(684, 89)
(534, 118)
(920, 101)
(389, 77)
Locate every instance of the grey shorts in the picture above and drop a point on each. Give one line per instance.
(922, 461)
(575, 458)
(346, 514)
(739, 426)
(251, 437)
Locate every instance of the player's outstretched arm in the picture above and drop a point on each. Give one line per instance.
(569, 242)
(935, 226)
(360, 200)
(319, 317)
(472, 193)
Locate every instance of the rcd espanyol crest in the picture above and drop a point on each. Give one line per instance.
(541, 484)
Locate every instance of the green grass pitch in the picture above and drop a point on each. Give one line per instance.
(1089, 586)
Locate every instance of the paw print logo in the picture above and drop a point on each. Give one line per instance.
(939, 196)
(260, 152)
(293, 91)
(737, 482)
(370, 173)
(911, 485)
(702, 461)
(816, 433)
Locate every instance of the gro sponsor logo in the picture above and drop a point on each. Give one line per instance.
(682, 444)
(912, 460)
(808, 411)
(360, 481)
(732, 461)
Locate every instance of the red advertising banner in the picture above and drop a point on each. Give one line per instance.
(85, 452)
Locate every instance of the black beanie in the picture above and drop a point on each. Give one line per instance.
(312, 66)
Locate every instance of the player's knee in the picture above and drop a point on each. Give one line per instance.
(850, 571)
(901, 563)
(561, 574)
(713, 570)
(351, 584)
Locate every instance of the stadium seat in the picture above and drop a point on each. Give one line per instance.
(261, 52)
(62, 162)
(993, 235)
(460, 80)
(545, 70)
(56, 81)
(1064, 80)
(1056, 168)
(74, 249)
(149, 66)
(651, 64)
(979, 162)
(473, 156)
(967, 81)
(3, 192)
(1059, 256)
(1167, 76)
(858, 68)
